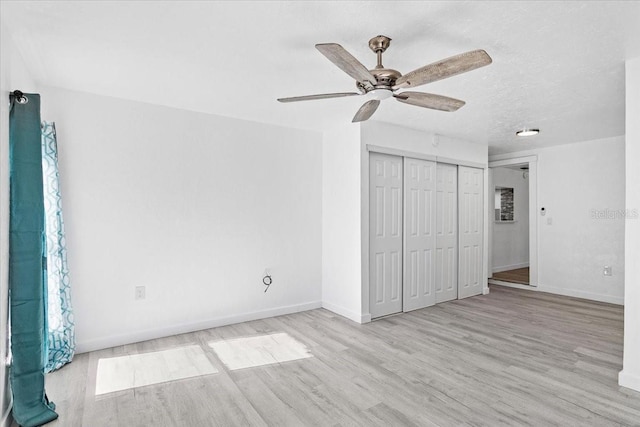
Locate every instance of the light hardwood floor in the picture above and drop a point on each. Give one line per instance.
(519, 275)
(513, 357)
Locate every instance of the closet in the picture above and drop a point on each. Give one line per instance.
(425, 233)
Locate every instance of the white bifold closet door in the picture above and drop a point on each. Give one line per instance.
(470, 228)
(425, 233)
(419, 234)
(385, 234)
(446, 232)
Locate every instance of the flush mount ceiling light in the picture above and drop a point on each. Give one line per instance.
(528, 132)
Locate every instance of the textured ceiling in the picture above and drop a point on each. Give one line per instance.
(557, 66)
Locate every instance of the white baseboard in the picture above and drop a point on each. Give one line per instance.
(562, 291)
(629, 380)
(149, 334)
(509, 267)
(351, 315)
(582, 294)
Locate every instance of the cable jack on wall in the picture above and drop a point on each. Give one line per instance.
(267, 281)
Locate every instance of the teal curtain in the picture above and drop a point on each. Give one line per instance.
(61, 337)
(27, 265)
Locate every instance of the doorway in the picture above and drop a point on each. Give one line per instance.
(513, 224)
(510, 243)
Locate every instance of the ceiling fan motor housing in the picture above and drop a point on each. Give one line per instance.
(385, 76)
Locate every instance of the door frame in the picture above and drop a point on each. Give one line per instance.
(532, 161)
(364, 212)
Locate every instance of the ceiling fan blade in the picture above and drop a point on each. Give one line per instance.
(366, 111)
(429, 100)
(321, 96)
(346, 62)
(445, 68)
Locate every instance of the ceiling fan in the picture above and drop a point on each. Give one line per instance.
(382, 83)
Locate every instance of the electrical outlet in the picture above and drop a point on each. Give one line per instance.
(141, 292)
(607, 270)
(549, 221)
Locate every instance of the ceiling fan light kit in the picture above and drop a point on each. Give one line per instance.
(381, 83)
(379, 94)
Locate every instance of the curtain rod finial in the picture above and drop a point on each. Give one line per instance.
(20, 98)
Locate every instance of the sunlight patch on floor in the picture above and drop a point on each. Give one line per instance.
(138, 370)
(249, 352)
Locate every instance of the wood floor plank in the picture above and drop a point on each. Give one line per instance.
(518, 275)
(513, 357)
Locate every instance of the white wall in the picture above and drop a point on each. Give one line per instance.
(510, 247)
(401, 138)
(630, 375)
(576, 184)
(190, 205)
(341, 233)
(13, 75)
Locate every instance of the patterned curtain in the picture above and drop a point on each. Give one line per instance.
(61, 337)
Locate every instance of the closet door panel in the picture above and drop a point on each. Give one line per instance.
(419, 234)
(470, 227)
(446, 232)
(385, 234)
